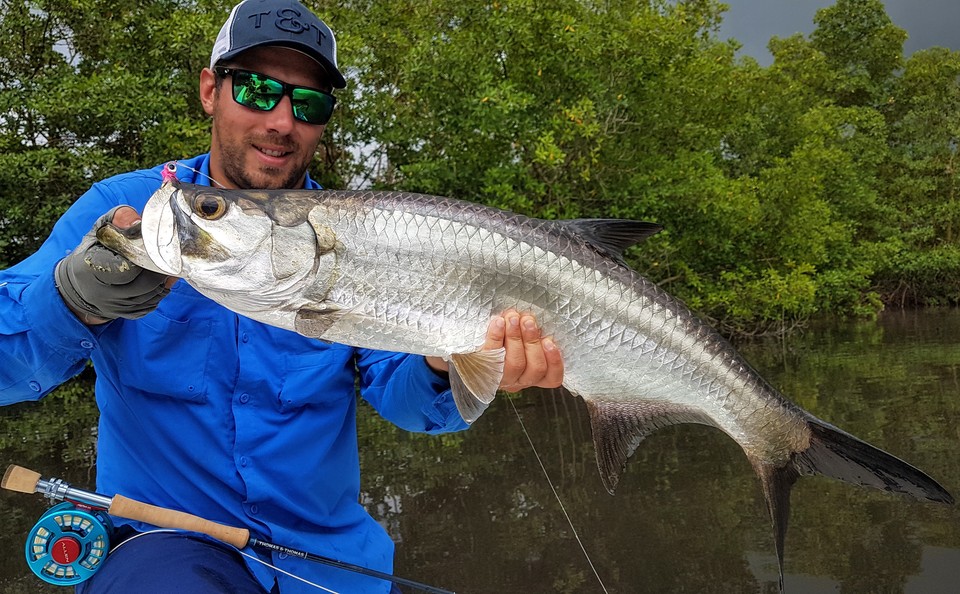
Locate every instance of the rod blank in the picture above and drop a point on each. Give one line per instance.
(22, 480)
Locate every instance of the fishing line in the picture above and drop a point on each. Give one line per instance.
(117, 547)
(70, 541)
(198, 172)
(576, 535)
(286, 573)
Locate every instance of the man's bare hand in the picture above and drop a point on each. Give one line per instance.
(530, 360)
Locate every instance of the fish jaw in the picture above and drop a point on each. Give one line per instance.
(159, 229)
(236, 253)
(128, 243)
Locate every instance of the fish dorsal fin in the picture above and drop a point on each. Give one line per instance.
(474, 380)
(619, 427)
(612, 236)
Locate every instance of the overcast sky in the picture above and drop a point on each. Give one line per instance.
(753, 22)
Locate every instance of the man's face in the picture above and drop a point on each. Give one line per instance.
(261, 149)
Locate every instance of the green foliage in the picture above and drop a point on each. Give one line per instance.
(88, 89)
(824, 183)
(921, 182)
(862, 45)
(546, 111)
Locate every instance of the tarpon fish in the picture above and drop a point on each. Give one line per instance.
(423, 274)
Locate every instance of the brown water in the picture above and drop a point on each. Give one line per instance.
(472, 512)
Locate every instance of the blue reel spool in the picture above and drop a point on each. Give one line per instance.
(67, 544)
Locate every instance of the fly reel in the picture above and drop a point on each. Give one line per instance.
(68, 544)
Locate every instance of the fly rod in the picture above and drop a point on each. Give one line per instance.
(22, 480)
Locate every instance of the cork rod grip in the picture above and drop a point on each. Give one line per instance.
(20, 479)
(131, 509)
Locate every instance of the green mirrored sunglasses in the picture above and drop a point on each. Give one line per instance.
(260, 92)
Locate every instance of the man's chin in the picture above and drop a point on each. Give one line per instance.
(271, 178)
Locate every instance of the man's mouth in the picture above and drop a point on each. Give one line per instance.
(271, 152)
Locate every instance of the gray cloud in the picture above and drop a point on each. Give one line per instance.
(928, 23)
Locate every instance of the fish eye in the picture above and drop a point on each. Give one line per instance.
(209, 206)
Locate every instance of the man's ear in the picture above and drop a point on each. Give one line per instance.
(208, 90)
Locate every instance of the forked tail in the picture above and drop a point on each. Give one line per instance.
(835, 453)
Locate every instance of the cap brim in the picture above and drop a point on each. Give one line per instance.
(336, 79)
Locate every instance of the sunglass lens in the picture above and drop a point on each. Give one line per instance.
(255, 91)
(312, 106)
(260, 92)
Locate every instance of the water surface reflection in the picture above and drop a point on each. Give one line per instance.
(472, 512)
(476, 514)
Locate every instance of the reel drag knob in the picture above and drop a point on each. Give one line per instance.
(67, 545)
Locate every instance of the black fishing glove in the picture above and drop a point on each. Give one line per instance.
(100, 285)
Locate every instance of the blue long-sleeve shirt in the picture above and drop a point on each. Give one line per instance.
(212, 413)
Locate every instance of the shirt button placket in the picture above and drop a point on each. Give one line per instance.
(245, 410)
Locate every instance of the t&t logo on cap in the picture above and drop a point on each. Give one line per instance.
(286, 23)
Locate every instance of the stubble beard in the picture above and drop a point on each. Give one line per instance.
(233, 157)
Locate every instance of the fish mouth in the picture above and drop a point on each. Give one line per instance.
(128, 242)
(159, 227)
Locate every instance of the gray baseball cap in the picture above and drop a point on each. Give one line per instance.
(286, 23)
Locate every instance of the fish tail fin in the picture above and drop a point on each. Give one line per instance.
(837, 454)
(777, 482)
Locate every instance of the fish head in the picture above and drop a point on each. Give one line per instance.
(251, 242)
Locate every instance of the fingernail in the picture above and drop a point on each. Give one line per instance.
(514, 321)
(548, 344)
(529, 324)
(499, 323)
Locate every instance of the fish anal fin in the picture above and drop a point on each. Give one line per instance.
(315, 322)
(474, 380)
(618, 428)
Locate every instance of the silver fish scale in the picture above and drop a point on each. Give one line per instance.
(425, 274)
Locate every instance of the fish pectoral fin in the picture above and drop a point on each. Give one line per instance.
(314, 322)
(474, 380)
(618, 428)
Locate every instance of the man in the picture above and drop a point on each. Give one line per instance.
(208, 412)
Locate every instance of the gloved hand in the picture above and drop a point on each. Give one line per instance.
(100, 285)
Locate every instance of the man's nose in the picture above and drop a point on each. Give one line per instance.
(280, 119)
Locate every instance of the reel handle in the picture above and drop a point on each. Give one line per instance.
(131, 509)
